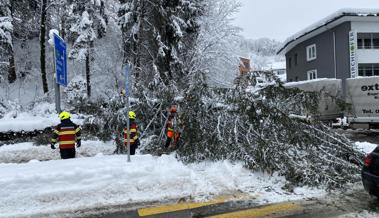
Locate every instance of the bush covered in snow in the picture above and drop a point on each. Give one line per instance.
(76, 91)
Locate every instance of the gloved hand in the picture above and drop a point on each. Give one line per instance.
(52, 146)
(78, 144)
(138, 143)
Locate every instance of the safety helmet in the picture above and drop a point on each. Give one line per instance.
(64, 115)
(132, 115)
(173, 109)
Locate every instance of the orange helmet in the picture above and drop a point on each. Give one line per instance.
(173, 109)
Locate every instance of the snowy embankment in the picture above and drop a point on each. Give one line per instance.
(24, 152)
(27, 123)
(40, 118)
(64, 185)
(48, 187)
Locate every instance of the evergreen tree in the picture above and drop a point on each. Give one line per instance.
(88, 22)
(157, 35)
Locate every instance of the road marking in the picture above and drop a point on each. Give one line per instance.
(265, 211)
(180, 206)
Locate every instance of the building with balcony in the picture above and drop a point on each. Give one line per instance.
(343, 45)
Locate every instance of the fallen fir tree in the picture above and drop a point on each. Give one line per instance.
(263, 127)
(258, 128)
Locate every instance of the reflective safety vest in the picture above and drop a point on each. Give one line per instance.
(66, 134)
(170, 127)
(170, 132)
(133, 134)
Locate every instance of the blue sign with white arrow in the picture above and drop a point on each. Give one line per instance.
(60, 60)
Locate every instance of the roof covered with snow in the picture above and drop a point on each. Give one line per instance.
(276, 66)
(329, 22)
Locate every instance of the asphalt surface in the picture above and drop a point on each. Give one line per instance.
(333, 205)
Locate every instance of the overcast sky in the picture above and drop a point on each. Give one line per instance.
(279, 19)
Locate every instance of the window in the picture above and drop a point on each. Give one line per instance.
(311, 52)
(368, 70)
(289, 63)
(368, 40)
(281, 72)
(295, 59)
(375, 40)
(312, 74)
(367, 43)
(360, 43)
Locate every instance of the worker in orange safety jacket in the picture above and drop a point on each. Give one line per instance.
(172, 135)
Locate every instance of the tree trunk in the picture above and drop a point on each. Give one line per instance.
(43, 46)
(138, 44)
(12, 76)
(12, 68)
(63, 24)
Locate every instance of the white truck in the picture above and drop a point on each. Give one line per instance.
(362, 94)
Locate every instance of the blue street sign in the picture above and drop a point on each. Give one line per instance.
(127, 73)
(60, 60)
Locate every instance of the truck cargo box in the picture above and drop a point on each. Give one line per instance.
(363, 95)
(329, 90)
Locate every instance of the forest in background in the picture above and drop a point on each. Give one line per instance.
(162, 39)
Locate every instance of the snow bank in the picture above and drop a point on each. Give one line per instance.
(63, 185)
(24, 152)
(363, 214)
(40, 118)
(25, 122)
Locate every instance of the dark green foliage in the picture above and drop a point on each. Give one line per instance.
(107, 120)
(43, 138)
(258, 129)
(158, 37)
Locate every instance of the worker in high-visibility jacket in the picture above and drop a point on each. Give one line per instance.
(66, 134)
(170, 131)
(134, 140)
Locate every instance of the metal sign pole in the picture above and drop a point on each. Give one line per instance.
(57, 98)
(128, 127)
(127, 93)
(56, 88)
(60, 67)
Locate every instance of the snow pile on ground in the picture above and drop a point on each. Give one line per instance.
(25, 122)
(24, 152)
(366, 147)
(63, 185)
(42, 116)
(363, 214)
